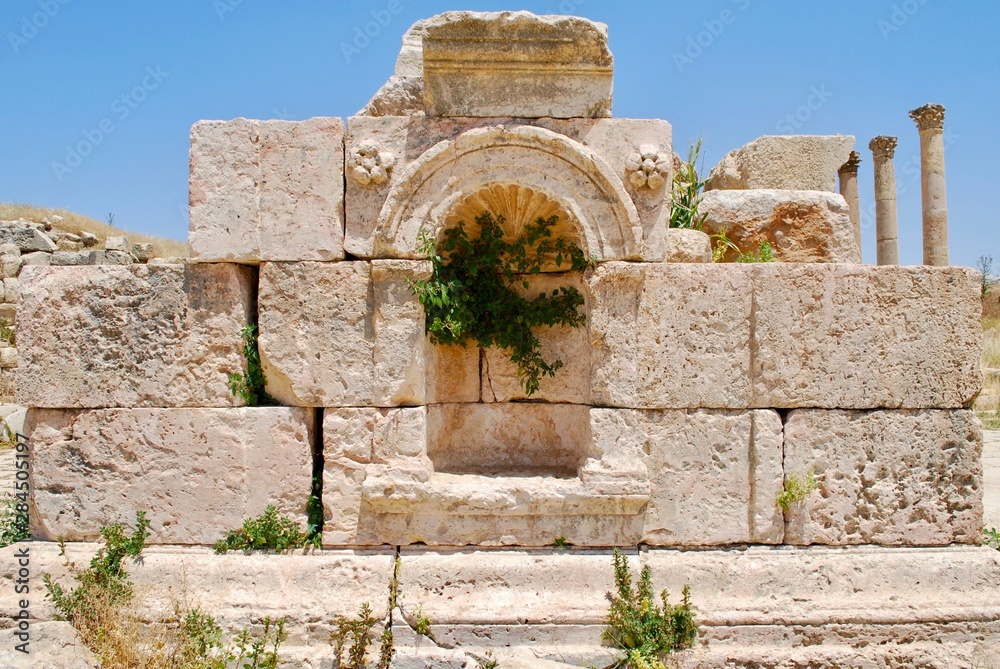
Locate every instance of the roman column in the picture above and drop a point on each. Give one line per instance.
(848, 173)
(886, 227)
(930, 122)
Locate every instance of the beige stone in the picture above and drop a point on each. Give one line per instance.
(403, 93)
(267, 190)
(691, 246)
(443, 169)
(714, 475)
(883, 149)
(8, 357)
(845, 337)
(784, 162)
(151, 336)
(8, 315)
(52, 645)
(934, 195)
(801, 226)
(11, 291)
(571, 382)
(516, 64)
(316, 332)
(197, 472)
(670, 336)
(886, 477)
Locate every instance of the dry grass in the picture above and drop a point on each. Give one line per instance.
(75, 223)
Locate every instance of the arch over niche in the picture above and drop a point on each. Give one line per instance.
(485, 165)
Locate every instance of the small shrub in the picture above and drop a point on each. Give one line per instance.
(470, 295)
(423, 624)
(250, 386)
(992, 538)
(644, 630)
(797, 489)
(685, 191)
(487, 661)
(764, 253)
(269, 531)
(561, 543)
(355, 635)
(985, 267)
(13, 520)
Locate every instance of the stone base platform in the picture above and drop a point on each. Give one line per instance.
(759, 607)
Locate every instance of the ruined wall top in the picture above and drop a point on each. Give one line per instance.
(487, 64)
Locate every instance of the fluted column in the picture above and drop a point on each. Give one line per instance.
(886, 226)
(848, 173)
(930, 122)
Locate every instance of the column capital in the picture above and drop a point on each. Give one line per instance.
(883, 147)
(851, 166)
(929, 117)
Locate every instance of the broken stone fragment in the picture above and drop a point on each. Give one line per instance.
(786, 162)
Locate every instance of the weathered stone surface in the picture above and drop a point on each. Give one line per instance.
(801, 226)
(786, 162)
(26, 239)
(72, 258)
(714, 475)
(52, 645)
(151, 336)
(403, 93)
(8, 357)
(38, 258)
(886, 477)
(267, 190)
(569, 345)
(691, 246)
(118, 258)
(117, 243)
(576, 169)
(409, 369)
(846, 337)
(197, 472)
(670, 336)
(8, 315)
(315, 339)
(142, 251)
(516, 64)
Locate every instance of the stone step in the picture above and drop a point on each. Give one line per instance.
(757, 606)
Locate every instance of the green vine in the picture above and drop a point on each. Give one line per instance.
(250, 386)
(471, 295)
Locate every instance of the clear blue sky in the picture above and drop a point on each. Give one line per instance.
(66, 65)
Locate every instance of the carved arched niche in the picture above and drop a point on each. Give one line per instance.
(522, 168)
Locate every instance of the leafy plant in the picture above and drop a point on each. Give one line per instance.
(470, 295)
(314, 510)
(423, 624)
(685, 192)
(721, 244)
(253, 652)
(644, 630)
(561, 543)
(985, 267)
(992, 538)
(797, 489)
(250, 386)
(487, 661)
(269, 531)
(764, 253)
(13, 520)
(355, 635)
(8, 335)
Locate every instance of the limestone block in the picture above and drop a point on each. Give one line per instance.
(409, 369)
(315, 341)
(516, 64)
(39, 258)
(197, 472)
(89, 240)
(691, 246)
(142, 251)
(65, 244)
(900, 478)
(569, 345)
(714, 475)
(8, 315)
(863, 337)
(267, 190)
(786, 162)
(10, 263)
(8, 357)
(52, 644)
(670, 335)
(117, 244)
(446, 170)
(27, 240)
(508, 439)
(801, 226)
(118, 258)
(72, 258)
(150, 336)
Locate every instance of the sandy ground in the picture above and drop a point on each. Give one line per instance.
(991, 478)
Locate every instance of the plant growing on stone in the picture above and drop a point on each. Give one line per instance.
(561, 543)
(985, 267)
(992, 537)
(355, 635)
(13, 520)
(7, 335)
(797, 489)
(269, 531)
(685, 191)
(250, 386)
(764, 253)
(471, 294)
(644, 630)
